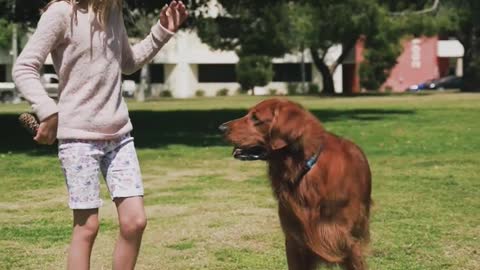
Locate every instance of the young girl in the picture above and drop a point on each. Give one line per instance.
(90, 51)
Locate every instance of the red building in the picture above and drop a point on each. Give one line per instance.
(422, 59)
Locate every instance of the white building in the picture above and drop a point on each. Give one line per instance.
(186, 65)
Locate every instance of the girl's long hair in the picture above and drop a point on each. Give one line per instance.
(100, 8)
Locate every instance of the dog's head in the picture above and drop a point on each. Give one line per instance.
(269, 126)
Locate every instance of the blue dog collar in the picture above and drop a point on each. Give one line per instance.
(311, 162)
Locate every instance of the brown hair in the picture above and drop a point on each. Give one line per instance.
(100, 8)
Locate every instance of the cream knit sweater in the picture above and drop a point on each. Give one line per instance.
(89, 60)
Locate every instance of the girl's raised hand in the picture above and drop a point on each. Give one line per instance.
(173, 15)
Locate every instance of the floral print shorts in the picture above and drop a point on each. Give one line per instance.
(83, 160)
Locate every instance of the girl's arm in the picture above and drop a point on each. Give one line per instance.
(26, 72)
(134, 57)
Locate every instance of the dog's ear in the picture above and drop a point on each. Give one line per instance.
(287, 125)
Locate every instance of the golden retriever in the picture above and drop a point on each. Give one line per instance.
(322, 183)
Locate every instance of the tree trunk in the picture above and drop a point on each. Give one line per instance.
(328, 85)
(346, 48)
(304, 84)
(144, 83)
(471, 61)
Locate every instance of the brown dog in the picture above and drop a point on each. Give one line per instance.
(322, 182)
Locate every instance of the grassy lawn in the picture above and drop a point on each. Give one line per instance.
(209, 211)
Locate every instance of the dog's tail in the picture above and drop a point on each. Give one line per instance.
(328, 240)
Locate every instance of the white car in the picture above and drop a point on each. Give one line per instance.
(7, 92)
(128, 88)
(50, 82)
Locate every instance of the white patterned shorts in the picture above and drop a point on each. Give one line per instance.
(82, 162)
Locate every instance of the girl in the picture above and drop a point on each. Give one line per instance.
(90, 50)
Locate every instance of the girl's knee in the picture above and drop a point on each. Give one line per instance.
(132, 227)
(87, 230)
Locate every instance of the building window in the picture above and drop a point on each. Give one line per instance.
(3, 73)
(291, 72)
(49, 69)
(216, 73)
(157, 74)
(134, 77)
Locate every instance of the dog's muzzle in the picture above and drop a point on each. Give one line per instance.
(250, 153)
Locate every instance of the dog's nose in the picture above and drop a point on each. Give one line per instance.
(223, 128)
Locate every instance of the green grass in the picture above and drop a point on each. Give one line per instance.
(209, 211)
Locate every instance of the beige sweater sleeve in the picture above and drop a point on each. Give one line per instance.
(134, 57)
(26, 72)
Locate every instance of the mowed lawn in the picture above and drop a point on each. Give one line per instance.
(209, 211)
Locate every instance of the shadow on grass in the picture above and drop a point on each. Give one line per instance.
(197, 128)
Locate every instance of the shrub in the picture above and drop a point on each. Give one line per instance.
(313, 89)
(292, 89)
(200, 93)
(240, 91)
(272, 92)
(166, 93)
(222, 92)
(388, 89)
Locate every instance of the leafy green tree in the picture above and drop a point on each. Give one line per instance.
(274, 28)
(21, 11)
(447, 18)
(140, 16)
(254, 70)
(5, 34)
(382, 48)
(464, 24)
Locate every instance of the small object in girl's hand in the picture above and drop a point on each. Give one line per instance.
(30, 122)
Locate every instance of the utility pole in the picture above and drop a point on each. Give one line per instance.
(14, 43)
(14, 51)
(303, 71)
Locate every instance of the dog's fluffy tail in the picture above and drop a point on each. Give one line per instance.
(328, 240)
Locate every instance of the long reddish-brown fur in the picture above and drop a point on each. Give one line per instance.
(324, 212)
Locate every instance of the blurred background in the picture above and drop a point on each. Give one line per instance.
(285, 47)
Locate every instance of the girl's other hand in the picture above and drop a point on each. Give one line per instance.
(47, 131)
(173, 15)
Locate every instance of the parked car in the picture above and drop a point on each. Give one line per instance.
(128, 88)
(50, 82)
(449, 82)
(7, 92)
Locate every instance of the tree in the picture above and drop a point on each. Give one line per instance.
(464, 18)
(21, 11)
(270, 37)
(5, 34)
(254, 70)
(459, 19)
(28, 12)
(140, 16)
(274, 28)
